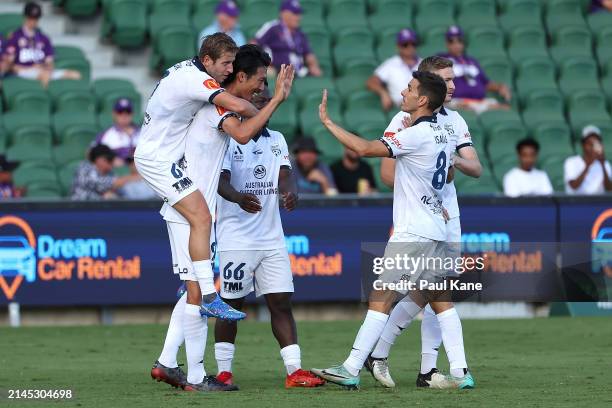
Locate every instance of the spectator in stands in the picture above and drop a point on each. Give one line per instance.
(526, 179)
(601, 5)
(94, 179)
(286, 43)
(122, 136)
(7, 189)
(29, 52)
(391, 77)
(471, 82)
(312, 175)
(353, 175)
(3, 62)
(227, 14)
(591, 172)
(136, 189)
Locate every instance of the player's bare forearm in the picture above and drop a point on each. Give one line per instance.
(387, 171)
(234, 104)
(242, 132)
(286, 181)
(468, 162)
(225, 188)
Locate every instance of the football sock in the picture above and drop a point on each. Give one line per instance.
(203, 271)
(431, 338)
(452, 337)
(224, 354)
(174, 336)
(292, 358)
(366, 339)
(195, 329)
(401, 316)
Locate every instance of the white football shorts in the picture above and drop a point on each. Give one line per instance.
(179, 245)
(169, 180)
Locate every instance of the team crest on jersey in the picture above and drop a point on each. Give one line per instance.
(276, 150)
(211, 84)
(237, 154)
(259, 172)
(449, 128)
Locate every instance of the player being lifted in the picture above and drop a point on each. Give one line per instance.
(206, 143)
(422, 152)
(251, 245)
(402, 315)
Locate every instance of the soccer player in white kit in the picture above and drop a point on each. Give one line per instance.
(402, 315)
(206, 143)
(251, 244)
(422, 152)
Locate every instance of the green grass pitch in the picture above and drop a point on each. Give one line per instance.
(554, 362)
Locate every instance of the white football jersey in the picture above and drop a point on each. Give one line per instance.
(179, 95)
(255, 167)
(422, 154)
(204, 152)
(460, 137)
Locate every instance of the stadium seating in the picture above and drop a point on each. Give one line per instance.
(125, 22)
(515, 13)
(78, 8)
(9, 22)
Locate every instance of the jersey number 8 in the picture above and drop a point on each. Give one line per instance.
(439, 177)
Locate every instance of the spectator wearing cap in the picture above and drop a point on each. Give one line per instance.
(122, 136)
(286, 43)
(393, 75)
(226, 21)
(29, 52)
(589, 173)
(471, 82)
(353, 175)
(600, 5)
(94, 179)
(526, 180)
(7, 189)
(312, 176)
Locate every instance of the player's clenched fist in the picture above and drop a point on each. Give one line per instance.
(249, 203)
(289, 201)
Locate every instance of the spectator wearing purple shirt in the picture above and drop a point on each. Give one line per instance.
(471, 82)
(601, 5)
(286, 43)
(122, 137)
(29, 52)
(3, 64)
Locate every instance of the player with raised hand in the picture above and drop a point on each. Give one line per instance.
(466, 160)
(206, 142)
(255, 179)
(422, 152)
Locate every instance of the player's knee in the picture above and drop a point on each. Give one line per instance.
(280, 306)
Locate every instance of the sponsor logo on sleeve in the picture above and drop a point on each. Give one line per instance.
(211, 84)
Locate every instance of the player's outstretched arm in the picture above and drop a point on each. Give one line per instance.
(242, 132)
(248, 202)
(468, 162)
(234, 104)
(363, 147)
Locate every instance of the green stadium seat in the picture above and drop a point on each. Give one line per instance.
(504, 164)
(578, 73)
(587, 103)
(205, 6)
(107, 102)
(76, 101)
(526, 42)
(561, 13)
(65, 176)
(25, 152)
(348, 84)
(432, 13)
(67, 51)
(76, 64)
(171, 6)
(553, 166)
(63, 120)
(492, 118)
(353, 42)
(327, 66)
(160, 21)
(3, 141)
(31, 135)
(535, 73)
(606, 85)
(391, 14)
(372, 116)
(555, 139)
(484, 185)
(345, 13)
(542, 104)
(498, 69)
(13, 86)
(16, 120)
(30, 101)
(35, 172)
(578, 123)
(571, 41)
(79, 8)
(104, 86)
(319, 40)
(370, 130)
(505, 132)
(313, 12)
(10, 22)
(477, 13)
(309, 113)
(172, 45)
(486, 41)
(331, 149)
(363, 68)
(434, 41)
(125, 22)
(285, 120)
(43, 190)
(201, 20)
(515, 13)
(59, 86)
(67, 153)
(599, 21)
(307, 85)
(80, 135)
